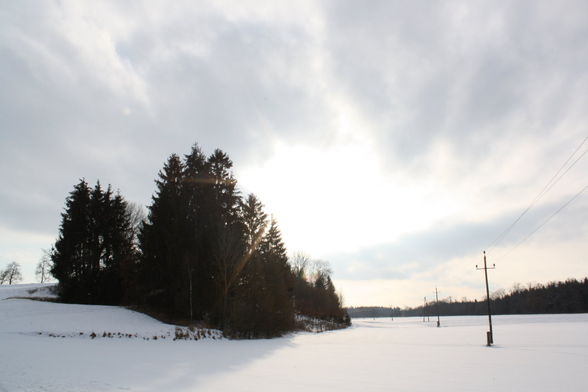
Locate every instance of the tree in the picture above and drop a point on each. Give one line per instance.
(95, 244)
(163, 244)
(137, 218)
(277, 311)
(241, 276)
(300, 263)
(44, 267)
(197, 200)
(71, 250)
(11, 274)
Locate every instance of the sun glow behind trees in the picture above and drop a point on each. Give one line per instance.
(340, 197)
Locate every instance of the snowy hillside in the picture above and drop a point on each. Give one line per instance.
(80, 321)
(27, 290)
(533, 353)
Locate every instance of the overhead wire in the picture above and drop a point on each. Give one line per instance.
(548, 186)
(561, 208)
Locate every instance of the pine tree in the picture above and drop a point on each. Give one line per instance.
(197, 196)
(278, 314)
(163, 243)
(244, 281)
(70, 252)
(95, 240)
(225, 231)
(254, 221)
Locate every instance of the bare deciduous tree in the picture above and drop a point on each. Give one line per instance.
(11, 274)
(137, 217)
(318, 268)
(43, 267)
(300, 262)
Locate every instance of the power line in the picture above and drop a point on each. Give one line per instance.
(548, 187)
(544, 222)
(550, 184)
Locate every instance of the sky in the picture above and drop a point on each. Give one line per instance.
(395, 140)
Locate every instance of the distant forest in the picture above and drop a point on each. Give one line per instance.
(570, 296)
(203, 254)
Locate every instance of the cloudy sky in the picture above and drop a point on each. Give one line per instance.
(396, 140)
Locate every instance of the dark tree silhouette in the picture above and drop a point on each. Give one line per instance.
(95, 244)
(570, 296)
(203, 253)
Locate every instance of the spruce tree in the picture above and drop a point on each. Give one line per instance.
(278, 315)
(71, 251)
(163, 241)
(197, 196)
(95, 240)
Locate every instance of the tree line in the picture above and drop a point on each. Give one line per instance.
(570, 296)
(203, 252)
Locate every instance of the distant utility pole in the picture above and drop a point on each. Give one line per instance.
(489, 337)
(437, 306)
(424, 309)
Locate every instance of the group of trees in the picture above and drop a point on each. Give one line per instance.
(12, 274)
(570, 296)
(94, 252)
(204, 252)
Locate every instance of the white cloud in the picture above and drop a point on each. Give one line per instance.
(373, 132)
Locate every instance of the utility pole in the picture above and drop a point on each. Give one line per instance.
(489, 336)
(437, 306)
(424, 309)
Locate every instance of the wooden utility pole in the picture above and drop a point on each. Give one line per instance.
(489, 335)
(437, 306)
(424, 309)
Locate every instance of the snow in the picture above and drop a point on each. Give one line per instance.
(35, 290)
(532, 353)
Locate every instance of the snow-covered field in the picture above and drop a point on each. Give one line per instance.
(532, 353)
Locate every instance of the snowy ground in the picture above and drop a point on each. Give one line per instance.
(532, 353)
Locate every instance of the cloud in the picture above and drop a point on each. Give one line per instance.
(456, 113)
(467, 74)
(419, 254)
(109, 92)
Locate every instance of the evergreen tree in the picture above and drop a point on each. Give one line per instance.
(197, 197)
(163, 243)
(70, 252)
(244, 281)
(225, 231)
(278, 311)
(95, 240)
